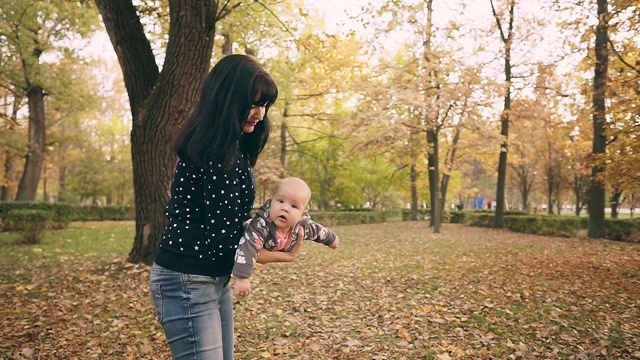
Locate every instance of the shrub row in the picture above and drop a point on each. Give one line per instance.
(333, 218)
(60, 215)
(627, 230)
(422, 214)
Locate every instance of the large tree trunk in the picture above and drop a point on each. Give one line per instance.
(159, 101)
(432, 132)
(507, 40)
(28, 187)
(599, 144)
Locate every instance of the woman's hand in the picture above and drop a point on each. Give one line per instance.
(266, 256)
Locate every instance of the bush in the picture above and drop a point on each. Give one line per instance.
(29, 223)
(524, 224)
(458, 217)
(61, 214)
(477, 218)
(333, 218)
(422, 214)
(102, 213)
(565, 226)
(516, 212)
(627, 230)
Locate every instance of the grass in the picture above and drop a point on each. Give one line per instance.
(392, 291)
(79, 239)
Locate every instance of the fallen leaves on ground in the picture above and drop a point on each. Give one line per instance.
(392, 291)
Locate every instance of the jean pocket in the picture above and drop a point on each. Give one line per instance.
(202, 279)
(156, 295)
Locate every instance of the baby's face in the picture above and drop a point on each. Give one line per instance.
(287, 208)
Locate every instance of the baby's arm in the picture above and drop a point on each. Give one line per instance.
(320, 234)
(242, 287)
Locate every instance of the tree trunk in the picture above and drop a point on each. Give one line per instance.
(599, 144)
(502, 176)
(160, 102)
(10, 160)
(550, 182)
(504, 118)
(432, 132)
(434, 179)
(28, 187)
(449, 165)
(414, 192)
(283, 137)
(615, 203)
(9, 169)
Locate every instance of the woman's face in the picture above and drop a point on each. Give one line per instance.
(255, 116)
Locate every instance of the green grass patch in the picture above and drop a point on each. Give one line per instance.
(98, 238)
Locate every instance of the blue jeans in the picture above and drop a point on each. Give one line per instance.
(196, 313)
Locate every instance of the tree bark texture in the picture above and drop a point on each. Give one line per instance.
(160, 101)
(28, 186)
(599, 144)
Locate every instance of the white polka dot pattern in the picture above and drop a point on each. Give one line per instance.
(205, 216)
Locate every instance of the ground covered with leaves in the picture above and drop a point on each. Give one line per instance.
(392, 291)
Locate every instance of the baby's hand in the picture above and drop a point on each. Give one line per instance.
(335, 243)
(242, 287)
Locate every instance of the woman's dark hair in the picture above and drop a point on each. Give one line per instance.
(214, 130)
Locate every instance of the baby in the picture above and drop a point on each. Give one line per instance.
(275, 228)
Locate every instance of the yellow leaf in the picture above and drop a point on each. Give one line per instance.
(265, 355)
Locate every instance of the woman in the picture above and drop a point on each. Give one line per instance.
(212, 193)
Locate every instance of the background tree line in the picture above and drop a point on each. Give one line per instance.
(414, 103)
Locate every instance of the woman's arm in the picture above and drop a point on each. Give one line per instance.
(266, 256)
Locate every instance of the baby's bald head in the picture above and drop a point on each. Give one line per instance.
(295, 187)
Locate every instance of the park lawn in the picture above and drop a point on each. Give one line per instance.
(392, 291)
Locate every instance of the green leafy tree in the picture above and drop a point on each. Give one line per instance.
(35, 35)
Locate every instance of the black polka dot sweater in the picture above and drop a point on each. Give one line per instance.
(205, 216)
